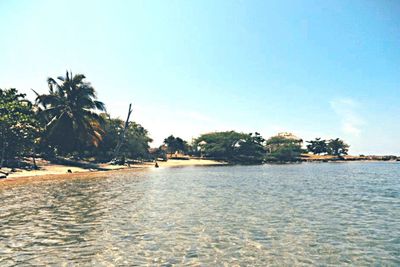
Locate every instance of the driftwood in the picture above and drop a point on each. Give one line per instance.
(3, 174)
(122, 137)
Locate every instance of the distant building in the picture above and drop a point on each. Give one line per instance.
(290, 136)
(282, 139)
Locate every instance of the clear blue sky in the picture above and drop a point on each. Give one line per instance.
(315, 68)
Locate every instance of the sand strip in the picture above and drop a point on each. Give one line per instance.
(54, 172)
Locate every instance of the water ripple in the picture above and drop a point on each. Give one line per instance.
(308, 214)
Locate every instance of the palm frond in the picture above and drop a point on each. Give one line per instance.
(78, 78)
(100, 105)
(69, 110)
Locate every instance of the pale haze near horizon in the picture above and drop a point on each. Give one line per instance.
(314, 68)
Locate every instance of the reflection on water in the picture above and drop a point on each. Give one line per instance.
(307, 214)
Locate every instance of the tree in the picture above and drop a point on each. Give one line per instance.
(317, 146)
(337, 147)
(250, 149)
(282, 149)
(232, 146)
(18, 125)
(135, 144)
(219, 145)
(69, 112)
(123, 134)
(175, 144)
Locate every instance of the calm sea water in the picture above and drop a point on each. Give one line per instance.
(305, 214)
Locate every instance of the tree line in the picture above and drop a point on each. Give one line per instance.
(251, 148)
(69, 121)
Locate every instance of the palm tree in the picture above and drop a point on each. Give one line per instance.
(69, 111)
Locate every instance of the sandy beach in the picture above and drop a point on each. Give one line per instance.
(49, 172)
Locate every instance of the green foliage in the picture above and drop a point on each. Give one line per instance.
(287, 153)
(250, 149)
(18, 125)
(317, 146)
(68, 114)
(136, 142)
(158, 153)
(175, 144)
(283, 149)
(220, 145)
(68, 111)
(232, 146)
(337, 147)
(193, 149)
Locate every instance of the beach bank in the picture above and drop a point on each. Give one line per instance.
(54, 172)
(345, 158)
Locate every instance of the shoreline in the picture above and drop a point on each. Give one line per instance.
(55, 172)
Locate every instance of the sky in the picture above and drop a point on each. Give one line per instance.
(314, 68)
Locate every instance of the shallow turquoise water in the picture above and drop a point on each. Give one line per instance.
(275, 215)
